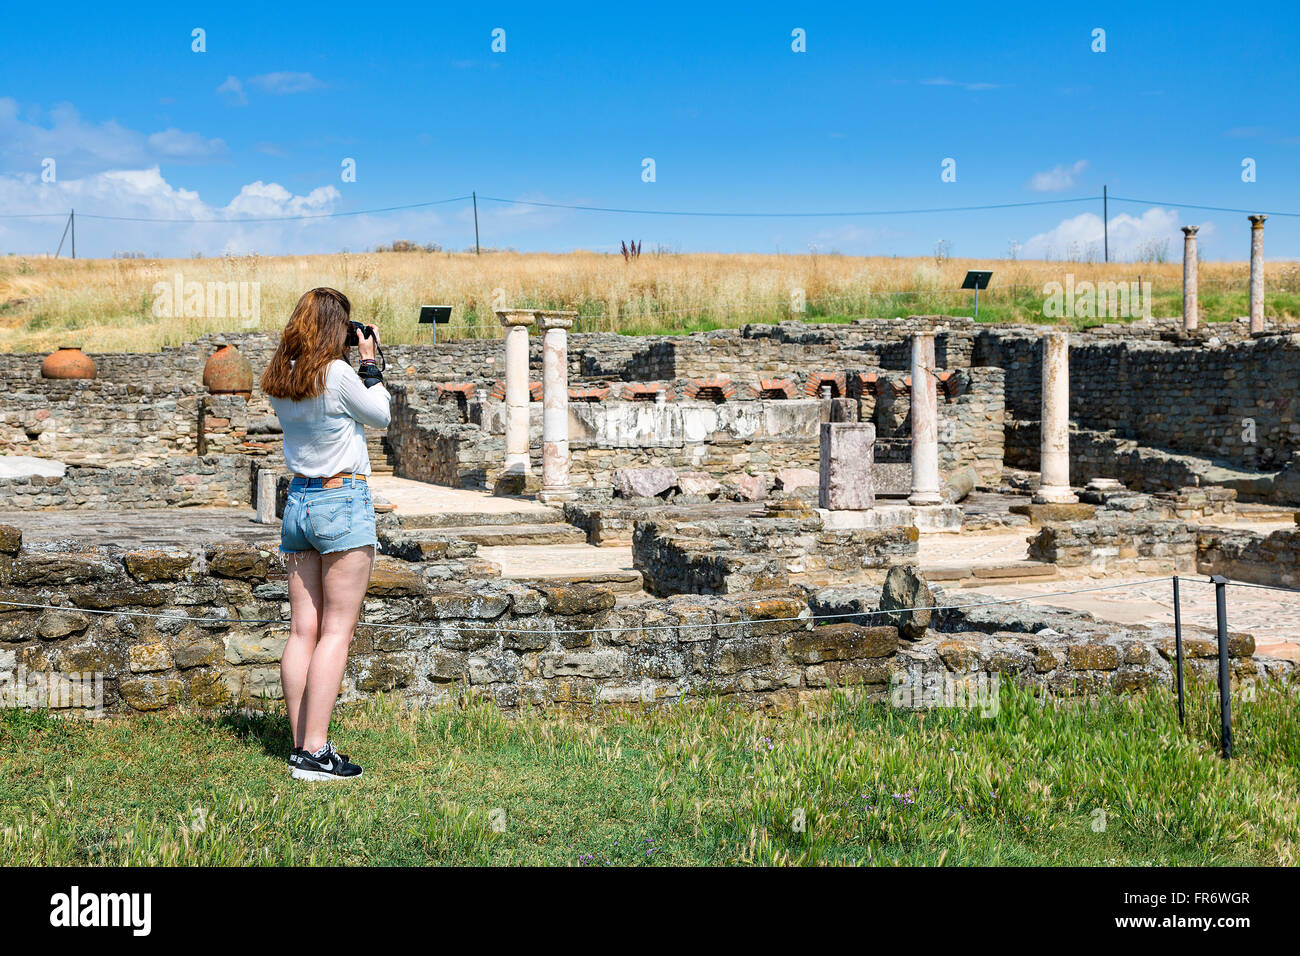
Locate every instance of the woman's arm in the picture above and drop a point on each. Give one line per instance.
(369, 406)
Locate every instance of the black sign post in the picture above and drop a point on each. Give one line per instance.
(977, 280)
(435, 315)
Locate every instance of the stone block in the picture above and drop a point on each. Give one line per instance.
(842, 642)
(572, 599)
(847, 451)
(147, 658)
(157, 565)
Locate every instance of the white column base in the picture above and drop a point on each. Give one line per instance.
(1055, 495)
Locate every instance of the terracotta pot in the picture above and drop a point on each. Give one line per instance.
(228, 372)
(68, 362)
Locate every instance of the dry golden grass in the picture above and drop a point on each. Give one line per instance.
(108, 304)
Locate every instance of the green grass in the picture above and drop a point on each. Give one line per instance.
(1021, 304)
(708, 784)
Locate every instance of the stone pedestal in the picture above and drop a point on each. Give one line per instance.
(265, 501)
(555, 406)
(927, 520)
(516, 323)
(1257, 273)
(847, 452)
(1054, 484)
(1189, 278)
(925, 424)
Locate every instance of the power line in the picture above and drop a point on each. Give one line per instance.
(323, 215)
(1187, 205)
(787, 215)
(578, 207)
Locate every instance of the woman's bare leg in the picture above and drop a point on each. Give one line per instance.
(344, 577)
(305, 608)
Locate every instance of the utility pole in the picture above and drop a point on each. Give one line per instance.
(477, 251)
(1105, 223)
(72, 221)
(66, 226)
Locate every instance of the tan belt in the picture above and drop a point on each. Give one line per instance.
(333, 481)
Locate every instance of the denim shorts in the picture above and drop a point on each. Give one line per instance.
(327, 519)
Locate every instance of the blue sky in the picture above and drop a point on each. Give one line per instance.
(139, 125)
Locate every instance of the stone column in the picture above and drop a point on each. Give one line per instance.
(1054, 483)
(555, 405)
(925, 423)
(265, 502)
(1257, 273)
(1189, 278)
(516, 323)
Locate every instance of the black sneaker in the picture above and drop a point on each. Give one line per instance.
(325, 764)
(294, 756)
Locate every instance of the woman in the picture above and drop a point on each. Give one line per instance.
(328, 531)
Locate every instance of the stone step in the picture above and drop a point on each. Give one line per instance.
(620, 582)
(979, 575)
(481, 519)
(499, 535)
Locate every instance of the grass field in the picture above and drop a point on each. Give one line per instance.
(112, 305)
(1113, 782)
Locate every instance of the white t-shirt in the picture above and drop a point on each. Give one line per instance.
(323, 435)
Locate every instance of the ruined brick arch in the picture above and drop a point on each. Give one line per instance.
(949, 385)
(534, 391)
(818, 380)
(775, 388)
(864, 384)
(716, 390)
(595, 394)
(646, 392)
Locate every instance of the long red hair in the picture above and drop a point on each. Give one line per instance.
(314, 337)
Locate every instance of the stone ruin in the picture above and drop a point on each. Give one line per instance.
(775, 485)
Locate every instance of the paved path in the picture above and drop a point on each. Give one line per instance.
(145, 527)
(530, 560)
(419, 498)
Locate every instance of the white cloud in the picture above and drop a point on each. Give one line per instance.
(145, 194)
(232, 91)
(79, 148)
(1081, 237)
(975, 87)
(283, 83)
(1057, 178)
(178, 146)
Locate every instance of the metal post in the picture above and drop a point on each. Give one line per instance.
(1225, 679)
(474, 195)
(977, 305)
(1178, 652)
(1105, 230)
(66, 226)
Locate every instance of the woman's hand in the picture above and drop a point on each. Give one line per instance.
(366, 346)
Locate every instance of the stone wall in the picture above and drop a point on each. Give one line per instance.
(1192, 397)
(210, 481)
(1272, 559)
(787, 546)
(1117, 544)
(430, 641)
(564, 646)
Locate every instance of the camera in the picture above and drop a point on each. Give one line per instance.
(355, 330)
